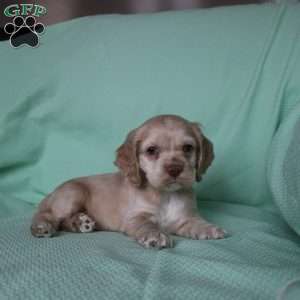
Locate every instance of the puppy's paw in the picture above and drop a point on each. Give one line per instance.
(83, 223)
(207, 232)
(156, 240)
(42, 229)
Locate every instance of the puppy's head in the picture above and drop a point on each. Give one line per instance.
(167, 152)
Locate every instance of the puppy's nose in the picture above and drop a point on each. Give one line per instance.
(174, 170)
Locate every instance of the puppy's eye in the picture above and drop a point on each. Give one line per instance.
(152, 150)
(187, 148)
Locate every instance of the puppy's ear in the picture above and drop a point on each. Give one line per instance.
(127, 159)
(205, 152)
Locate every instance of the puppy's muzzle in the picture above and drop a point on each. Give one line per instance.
(174, 169)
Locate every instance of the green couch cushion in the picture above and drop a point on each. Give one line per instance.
(258, 261)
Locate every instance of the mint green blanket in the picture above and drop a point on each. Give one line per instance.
(68, 104)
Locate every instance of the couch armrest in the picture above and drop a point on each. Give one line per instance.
(284, 168)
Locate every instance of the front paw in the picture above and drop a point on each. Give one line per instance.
(155, 239)
(42, 229)
(207, 232)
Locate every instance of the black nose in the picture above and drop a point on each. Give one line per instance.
(174, 170)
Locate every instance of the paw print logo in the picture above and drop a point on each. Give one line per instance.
(24, 31)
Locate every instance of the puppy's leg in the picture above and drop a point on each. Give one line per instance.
(80, 222)
(146, 232)
(64, 202)
(197, 228)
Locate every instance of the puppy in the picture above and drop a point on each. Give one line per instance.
(148, 199)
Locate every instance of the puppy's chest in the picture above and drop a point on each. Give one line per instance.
(166, 210)
(172, 208)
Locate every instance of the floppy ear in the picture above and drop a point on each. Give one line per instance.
(127, 159)
(205, 152)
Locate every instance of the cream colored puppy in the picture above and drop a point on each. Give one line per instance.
(148, 199)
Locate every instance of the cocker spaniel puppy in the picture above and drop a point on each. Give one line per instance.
(148, 199)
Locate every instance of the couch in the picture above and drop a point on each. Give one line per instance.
(68, 104)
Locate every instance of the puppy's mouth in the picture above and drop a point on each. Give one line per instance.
(169, 184)
(183, 180)
(172, 186)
